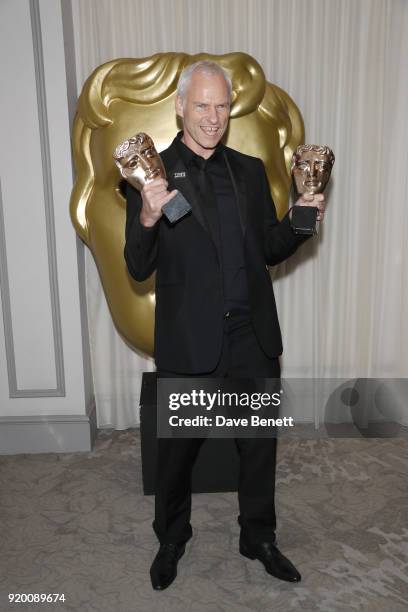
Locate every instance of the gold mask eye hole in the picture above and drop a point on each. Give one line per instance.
(303, 166)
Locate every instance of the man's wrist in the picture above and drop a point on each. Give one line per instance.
(146, 221)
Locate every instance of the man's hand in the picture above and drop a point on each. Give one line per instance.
(154, 197)
(317, 200)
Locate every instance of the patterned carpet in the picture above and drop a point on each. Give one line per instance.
(79, 524)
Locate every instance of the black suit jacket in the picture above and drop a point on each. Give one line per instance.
(189, 292)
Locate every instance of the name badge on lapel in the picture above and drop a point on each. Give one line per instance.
(178, 206)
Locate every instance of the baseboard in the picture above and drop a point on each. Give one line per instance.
(48, 433)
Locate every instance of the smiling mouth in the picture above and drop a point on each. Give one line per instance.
(209, 131)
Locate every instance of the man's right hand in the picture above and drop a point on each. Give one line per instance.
(154, 197)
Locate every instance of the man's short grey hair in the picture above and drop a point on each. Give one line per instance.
(203, 67)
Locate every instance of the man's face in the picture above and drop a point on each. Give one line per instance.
(311, 172)
(205, 112)
(143, 163)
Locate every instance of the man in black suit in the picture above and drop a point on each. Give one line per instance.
(215, 307)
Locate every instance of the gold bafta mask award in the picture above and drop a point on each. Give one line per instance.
(311, 169)
(140, 163)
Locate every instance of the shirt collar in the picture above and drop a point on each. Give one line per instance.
(188, 156)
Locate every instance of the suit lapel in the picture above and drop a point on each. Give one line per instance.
(177, 176)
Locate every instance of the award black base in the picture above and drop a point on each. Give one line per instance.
(303, 219)
(217, 466)
(176, 208)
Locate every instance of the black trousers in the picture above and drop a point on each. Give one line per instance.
(241, 357)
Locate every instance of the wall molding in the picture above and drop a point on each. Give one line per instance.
(6, 303)
(59, 390)
(48, 433)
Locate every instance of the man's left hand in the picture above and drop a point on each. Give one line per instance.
(317, 200)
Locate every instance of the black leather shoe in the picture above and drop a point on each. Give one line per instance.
(164, 566)
(275, 563)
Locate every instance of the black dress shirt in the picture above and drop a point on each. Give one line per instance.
(212, 179)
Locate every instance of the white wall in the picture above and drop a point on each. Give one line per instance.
(46, 400)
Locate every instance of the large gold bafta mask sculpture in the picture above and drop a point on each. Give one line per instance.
(127, 96)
